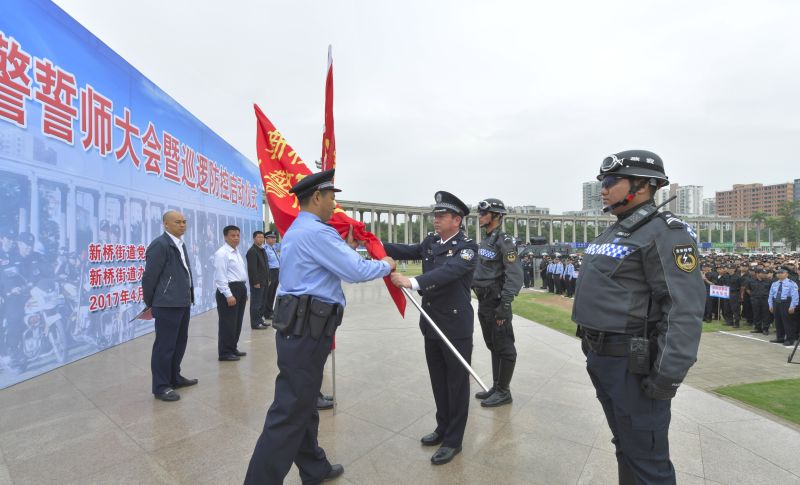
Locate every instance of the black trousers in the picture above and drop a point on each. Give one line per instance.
(543, 274)
(732, 309)
(639, 425)
(450, 384)
(709, 310)
(551, 283)
(499, 338)
(570, 286)
(172, 334)
(785, 324)
(257, 304)
(292, 424)
(747, 309)
(230, 319)
(760, 312)
(526, 276)
(272, 288)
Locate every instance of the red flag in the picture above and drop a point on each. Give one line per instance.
(281, 167)
(328, 158)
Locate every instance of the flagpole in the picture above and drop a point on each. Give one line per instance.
(446, 341)
(333, 370)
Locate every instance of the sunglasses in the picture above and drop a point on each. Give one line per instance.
(482, 212)
(610, 180)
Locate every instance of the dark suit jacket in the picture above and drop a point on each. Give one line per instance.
(257, 266)
(445, 283)
(165, 282)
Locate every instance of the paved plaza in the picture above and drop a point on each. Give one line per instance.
(95, 421)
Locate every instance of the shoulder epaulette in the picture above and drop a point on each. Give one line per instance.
(671, 220)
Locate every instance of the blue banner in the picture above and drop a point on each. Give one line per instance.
(91, 155)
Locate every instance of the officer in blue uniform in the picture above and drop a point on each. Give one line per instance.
(783, 299)
(639, 303)
(448, 263)
(309, 307)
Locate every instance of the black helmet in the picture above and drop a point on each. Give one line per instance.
(635, 163)
(492, 205)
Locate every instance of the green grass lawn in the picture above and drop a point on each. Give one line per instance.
(412, 268)
(526, 306)
(777, 397)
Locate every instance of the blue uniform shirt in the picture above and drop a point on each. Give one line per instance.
(788, 291)
(272, 256)
(569, 271)
(559, 269)
(550, 267)
(316, 260)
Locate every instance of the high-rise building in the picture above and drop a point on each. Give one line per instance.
(591, 196)
(690, 200)
(745, 199)
(710, 206)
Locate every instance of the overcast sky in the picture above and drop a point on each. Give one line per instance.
(516, 100)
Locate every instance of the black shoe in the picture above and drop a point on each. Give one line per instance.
(766, 332)
(326, 397)
(229, 357)
(788, 343)
(484, 394)
(259, 326)
(184, 382)
(336, 471)
(169, 395)
(444, 455)
(735, 325)
(432, 439)
(776, 341)
(499, 398)
(323, 403)
(239, 353)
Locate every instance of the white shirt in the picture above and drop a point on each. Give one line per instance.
(228, 266)
(179, 242)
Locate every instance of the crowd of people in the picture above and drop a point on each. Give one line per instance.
(758, 293)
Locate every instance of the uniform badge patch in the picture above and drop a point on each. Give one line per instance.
(685, 257)
(467, 254)
(511, 256)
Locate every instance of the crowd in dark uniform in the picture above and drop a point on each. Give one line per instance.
(750, 279)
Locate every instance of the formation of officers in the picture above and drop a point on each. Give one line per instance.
(762, 291)
(559, 274)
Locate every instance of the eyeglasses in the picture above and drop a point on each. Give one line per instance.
(609, 181)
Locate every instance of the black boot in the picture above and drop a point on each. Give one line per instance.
(495, 371)
(502, 393)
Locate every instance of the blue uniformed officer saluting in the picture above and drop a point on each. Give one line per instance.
(498, 279)
(448, 263)
(639, 306)
(308, 309)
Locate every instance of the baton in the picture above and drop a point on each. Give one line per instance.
(444, 339)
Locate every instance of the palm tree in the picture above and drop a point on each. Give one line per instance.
(758, 218)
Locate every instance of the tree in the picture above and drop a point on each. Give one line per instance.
(758, 218)
(786, 225)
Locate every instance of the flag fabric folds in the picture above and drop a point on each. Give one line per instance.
(328, 158)
(281, 167)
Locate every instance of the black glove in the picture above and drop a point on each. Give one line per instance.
(503, 311)
(657, 387)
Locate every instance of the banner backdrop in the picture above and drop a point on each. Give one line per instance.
(91, 155)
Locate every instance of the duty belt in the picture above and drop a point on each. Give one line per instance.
(607, 343)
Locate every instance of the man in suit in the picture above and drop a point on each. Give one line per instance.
(168, 290)
(448, 264)
(258, 277)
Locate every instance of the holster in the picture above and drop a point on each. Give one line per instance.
(488, 292)
(293, 314)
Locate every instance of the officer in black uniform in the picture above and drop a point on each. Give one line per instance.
(448, 264)
(543, 270)
(498, 279)
(639, 306)
(758, 290)
(732, 308)
(527, 270)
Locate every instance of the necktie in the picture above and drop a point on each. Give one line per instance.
(780, 290)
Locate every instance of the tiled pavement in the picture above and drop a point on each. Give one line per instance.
(94, 421)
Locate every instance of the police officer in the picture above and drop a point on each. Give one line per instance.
(569, 278)
(309, 306)
(498, 279)
(758, 289)
(543, 265)
(448, 264)
(783, 299)
(551, 281)
(527, 270)
(639, 306)
(732, 308)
